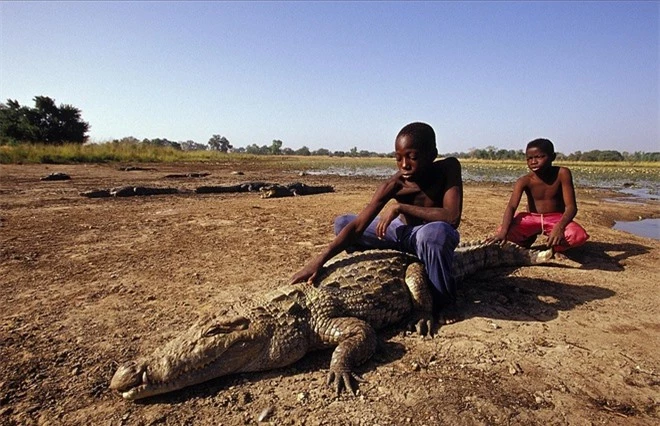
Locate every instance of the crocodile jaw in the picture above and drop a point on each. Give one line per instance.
(192, 358)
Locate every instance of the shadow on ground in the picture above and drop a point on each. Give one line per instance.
(523, 299)
(605, 256)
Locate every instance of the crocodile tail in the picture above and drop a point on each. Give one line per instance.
(472, 257)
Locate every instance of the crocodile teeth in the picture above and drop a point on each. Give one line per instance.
(145, 378)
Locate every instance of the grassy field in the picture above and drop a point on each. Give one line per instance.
(648, 172)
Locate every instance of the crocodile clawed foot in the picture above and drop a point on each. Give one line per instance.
(562, 259)
(343, 380)
(423, 325)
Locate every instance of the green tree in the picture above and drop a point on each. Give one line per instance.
(253, 149)
(46, 122)
(276, 147)
(163, 142)
(322, 151)
(610, 155)
(219, 143)
(15, 122)
(303, 151)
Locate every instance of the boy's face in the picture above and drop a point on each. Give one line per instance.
(538, 160)
(411, 159)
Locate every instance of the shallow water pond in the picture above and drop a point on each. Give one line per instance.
(637, 182)
(649, 228)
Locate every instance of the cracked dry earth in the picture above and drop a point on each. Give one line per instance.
(87, 284)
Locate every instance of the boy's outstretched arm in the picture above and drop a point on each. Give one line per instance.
(510, 211)
(570, 207)
(351, 232)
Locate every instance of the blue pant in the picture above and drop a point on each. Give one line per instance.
(433, 243)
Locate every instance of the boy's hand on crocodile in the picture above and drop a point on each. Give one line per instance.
(306, 274)
(387, 216)
(497, 238)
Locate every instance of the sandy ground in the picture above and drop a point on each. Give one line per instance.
(87, 284)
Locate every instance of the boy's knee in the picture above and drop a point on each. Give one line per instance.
(438, 234)
(342, 221)
(575, 237)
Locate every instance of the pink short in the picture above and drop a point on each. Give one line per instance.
(526, 226)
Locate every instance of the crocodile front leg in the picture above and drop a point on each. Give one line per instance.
(422, 315)
(356, 342)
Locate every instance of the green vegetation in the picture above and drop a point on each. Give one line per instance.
(493, 153)
(162, 150)
(52, 134)
(100, 153)
(616, 172)
(152, 153)
(45, 123)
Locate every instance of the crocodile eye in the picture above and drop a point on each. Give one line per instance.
(228, 325)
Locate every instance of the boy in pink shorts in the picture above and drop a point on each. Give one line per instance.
(550, 202)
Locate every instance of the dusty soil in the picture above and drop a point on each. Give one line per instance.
(88, 283)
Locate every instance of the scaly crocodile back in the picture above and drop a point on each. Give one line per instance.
(365, 267)
(474, 256)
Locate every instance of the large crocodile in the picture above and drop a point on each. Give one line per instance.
(355, 295)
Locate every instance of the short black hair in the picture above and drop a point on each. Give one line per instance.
(543, 144)
(422, 133)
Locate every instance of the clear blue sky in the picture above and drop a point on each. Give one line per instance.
(339, 75)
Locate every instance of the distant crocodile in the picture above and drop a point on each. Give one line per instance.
(268, 190)
(356, 295)
(129, 191)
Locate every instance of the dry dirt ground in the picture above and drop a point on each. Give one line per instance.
(88, 283)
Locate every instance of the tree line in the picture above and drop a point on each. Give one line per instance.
(50, 124)
(493, 153)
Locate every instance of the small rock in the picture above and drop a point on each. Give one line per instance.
(265, 414)
(514, 368)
